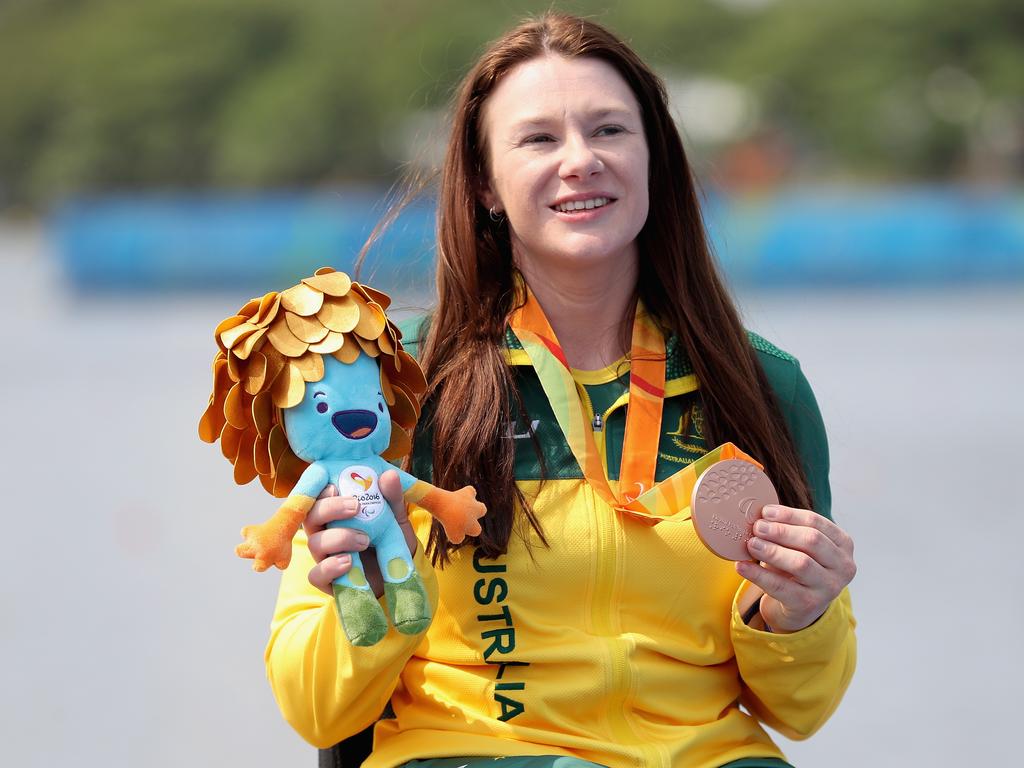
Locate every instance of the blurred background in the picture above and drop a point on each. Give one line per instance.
(161, 162)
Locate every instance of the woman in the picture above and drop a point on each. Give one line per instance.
(571, 630)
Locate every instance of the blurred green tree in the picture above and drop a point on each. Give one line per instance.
(106, 94)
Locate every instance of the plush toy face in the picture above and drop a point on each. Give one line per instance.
(342, 416)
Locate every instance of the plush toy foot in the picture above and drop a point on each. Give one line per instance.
(362, 618)
(409, 605)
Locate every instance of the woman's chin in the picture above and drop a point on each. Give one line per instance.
(579, 253)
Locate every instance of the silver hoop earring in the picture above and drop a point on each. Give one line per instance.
(496, 216)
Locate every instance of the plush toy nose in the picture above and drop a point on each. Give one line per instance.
(355, 425)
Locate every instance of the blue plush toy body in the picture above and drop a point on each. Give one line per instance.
(340, 427)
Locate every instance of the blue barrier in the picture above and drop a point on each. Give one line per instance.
(825, 237)
(211, 242)
(916, 236)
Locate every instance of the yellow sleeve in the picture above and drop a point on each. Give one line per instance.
(326, 688)
(794, 682)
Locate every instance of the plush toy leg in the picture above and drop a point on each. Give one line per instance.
(361, 616)
(406, 596)
(408, 605)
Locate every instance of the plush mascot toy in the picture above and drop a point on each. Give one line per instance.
(311, 386)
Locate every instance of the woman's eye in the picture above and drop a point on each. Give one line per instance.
(321, 407)
(540, 138)
(609, 130)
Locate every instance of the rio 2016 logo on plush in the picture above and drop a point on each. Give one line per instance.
(311, 386)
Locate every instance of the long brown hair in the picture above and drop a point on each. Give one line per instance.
(472, 395)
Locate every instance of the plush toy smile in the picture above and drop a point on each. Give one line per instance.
(355, 425)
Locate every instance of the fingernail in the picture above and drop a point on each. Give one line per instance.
(770, 513)
(350, 504)
(756, 544)
(362, 540)
(344, 559)
(761, 528)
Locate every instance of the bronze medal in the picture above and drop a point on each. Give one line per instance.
(727, 498)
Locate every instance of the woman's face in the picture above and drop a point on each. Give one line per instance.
(568, 162)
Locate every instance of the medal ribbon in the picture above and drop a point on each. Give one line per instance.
(638, 497)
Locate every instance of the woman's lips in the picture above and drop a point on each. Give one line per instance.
(584, 214)
(583, 202)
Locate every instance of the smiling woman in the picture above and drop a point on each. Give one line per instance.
(583, 351)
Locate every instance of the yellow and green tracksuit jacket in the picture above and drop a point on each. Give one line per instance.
(619, 643)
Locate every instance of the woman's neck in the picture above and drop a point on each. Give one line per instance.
(590, 309)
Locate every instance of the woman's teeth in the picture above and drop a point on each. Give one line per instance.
(579, 205)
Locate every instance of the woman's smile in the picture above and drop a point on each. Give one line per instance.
(577, 207)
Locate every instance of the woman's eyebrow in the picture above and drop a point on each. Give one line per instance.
(535, 121)
(532, 122)
(604, 112)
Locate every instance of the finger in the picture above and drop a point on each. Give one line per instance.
(794, 516)
(774, 584)
(330, 490)
(326, 571)
(329, 509)
(799, 565)
(333, 541)
(785, 605)
(391, 487)
(802, 538)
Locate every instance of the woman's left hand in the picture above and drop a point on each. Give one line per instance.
(805, 562)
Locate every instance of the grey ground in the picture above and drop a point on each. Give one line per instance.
(131, 635)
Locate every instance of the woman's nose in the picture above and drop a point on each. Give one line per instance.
(579, 159)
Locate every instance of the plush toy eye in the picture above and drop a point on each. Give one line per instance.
(321, 407)
(380, 407)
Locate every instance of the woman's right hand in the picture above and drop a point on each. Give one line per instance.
(330, 546)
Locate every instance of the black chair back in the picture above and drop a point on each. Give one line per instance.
(349, 753)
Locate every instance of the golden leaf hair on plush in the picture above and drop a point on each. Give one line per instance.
(274, 345)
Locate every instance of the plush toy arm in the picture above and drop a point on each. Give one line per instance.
(270, 542)
(458, 511)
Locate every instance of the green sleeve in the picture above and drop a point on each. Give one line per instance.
(800, 410)
(414, 331)
(808, 430)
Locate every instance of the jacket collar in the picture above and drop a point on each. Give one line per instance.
(678, 364)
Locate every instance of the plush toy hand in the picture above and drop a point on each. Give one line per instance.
(265, 546)
(458, 511)
(270, 542)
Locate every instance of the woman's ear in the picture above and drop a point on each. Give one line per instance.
(488, 199)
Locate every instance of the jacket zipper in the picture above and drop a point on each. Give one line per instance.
(596, 419)
(604, 624)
